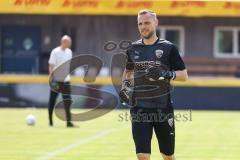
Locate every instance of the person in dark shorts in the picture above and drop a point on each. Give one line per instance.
(152, 63)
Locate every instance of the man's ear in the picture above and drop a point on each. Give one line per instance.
(156, 22)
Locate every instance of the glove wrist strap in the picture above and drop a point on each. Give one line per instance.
(126, 83)
(173, 75)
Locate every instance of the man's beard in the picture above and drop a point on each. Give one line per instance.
(149, 35)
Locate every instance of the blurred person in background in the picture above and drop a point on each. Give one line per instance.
(60, 55)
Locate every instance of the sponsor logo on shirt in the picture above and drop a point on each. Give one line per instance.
(136, 55)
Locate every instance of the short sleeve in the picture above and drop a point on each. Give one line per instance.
(52, 59)
(130, 64)
(71, 53)
(176, 61)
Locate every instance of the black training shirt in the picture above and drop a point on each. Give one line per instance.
(162, 54)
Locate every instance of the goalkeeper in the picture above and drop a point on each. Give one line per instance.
(151, 62)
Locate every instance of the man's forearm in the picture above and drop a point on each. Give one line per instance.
(181, 75)
(50, 69)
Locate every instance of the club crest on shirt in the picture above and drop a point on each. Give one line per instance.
(159, 53)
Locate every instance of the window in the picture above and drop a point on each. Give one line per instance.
(227, 42)
(174, 34)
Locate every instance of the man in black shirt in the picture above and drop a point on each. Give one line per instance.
(151, 64)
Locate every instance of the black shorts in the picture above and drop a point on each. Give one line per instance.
(145, 120)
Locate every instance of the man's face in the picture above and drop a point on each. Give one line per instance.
(147, 25)
(66, 43)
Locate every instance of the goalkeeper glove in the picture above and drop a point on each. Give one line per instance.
(156, 73)
(125, 93)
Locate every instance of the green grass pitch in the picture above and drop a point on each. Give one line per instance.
(211, 135)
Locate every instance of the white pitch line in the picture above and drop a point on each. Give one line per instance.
(79, 143)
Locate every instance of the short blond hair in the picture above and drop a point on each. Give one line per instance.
(147, 11)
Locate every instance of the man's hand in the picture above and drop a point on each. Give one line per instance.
(156, 73)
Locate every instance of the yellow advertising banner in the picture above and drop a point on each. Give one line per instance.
(122, 7)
